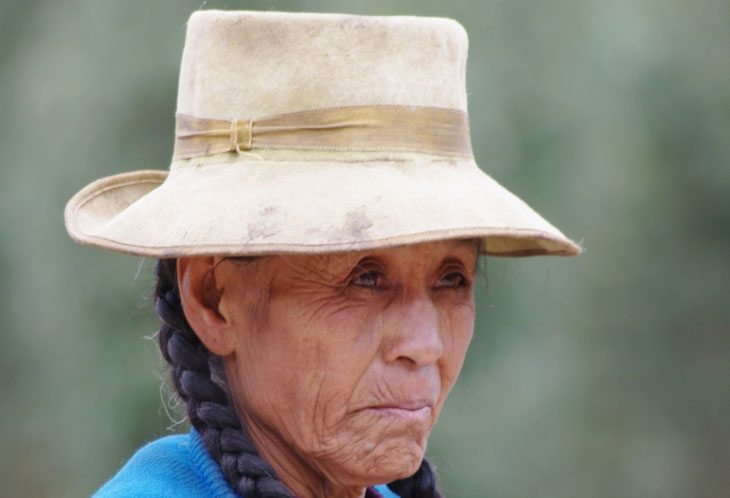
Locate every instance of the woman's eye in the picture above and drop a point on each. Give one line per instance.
(452, 280)
(370, 279)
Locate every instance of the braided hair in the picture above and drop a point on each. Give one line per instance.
(199, 379)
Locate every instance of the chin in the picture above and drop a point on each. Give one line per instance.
(379, 459)
(396, 460)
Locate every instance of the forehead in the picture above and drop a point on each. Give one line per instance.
(414, 255)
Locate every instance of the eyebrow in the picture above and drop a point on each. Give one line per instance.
(469, 242)
(466, 242)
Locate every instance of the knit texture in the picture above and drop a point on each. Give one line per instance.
(179, 466)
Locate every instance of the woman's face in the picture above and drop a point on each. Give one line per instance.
(342, 362)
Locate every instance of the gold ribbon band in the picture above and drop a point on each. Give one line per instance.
(364, 128)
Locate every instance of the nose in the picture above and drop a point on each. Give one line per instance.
(414, 334)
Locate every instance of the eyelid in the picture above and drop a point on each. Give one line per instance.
(364, 267)
(455, 268)
(376, 280)
(464, 282)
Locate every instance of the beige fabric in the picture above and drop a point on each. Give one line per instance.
(395, 128)
(244, 64)
(250, 64)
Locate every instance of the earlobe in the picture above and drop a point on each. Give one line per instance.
(200, 298)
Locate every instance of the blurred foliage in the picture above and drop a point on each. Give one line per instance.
(606, 375)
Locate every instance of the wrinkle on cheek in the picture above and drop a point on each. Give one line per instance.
(298, 423)
(363, 446)
(343, 451)
(325, 308)
(383, 392)
(367, 343)
(314, 271)
(333, 442)
(317, 306)
(318, 419)
(320, 411)
(456, 321)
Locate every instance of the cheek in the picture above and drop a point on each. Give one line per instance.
(458, 327)
(299, 376)
(462, 331)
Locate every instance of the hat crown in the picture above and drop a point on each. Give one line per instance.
(242, 65)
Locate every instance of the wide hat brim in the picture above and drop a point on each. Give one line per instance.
(242, 205)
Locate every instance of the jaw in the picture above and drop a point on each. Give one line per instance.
(372, 458)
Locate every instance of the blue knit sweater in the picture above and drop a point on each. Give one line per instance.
(177, 467)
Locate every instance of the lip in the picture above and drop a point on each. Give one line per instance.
(409, 410)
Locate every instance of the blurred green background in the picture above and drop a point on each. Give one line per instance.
(606, 375)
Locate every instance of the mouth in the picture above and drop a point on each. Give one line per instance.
(417, 411)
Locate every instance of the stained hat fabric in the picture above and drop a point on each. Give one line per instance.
(314, 133)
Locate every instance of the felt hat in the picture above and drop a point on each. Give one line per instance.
(314, 133)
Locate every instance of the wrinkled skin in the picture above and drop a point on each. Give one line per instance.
(339, 364)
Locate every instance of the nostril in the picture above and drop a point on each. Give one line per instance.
(407, 361)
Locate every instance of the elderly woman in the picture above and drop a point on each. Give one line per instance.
(317, 235)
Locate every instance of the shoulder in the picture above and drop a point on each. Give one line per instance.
(167, 467)
(158, 469)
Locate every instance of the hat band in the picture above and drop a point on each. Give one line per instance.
(429, 130)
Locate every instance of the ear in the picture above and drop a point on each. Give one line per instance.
(200, 298)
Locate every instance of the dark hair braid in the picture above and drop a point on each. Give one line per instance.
(193, 368)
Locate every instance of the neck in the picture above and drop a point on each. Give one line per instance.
(302, 479)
